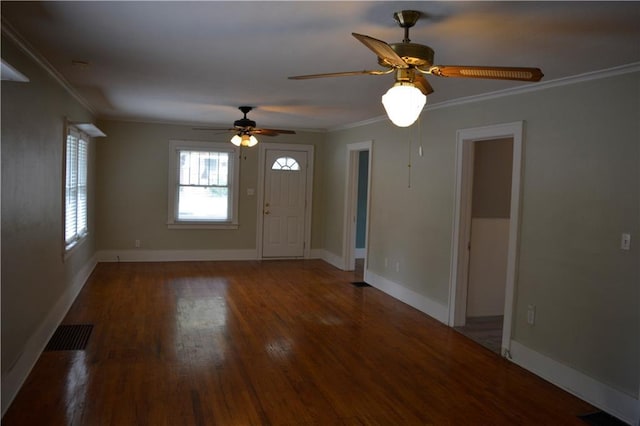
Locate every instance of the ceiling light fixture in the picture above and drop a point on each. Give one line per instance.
(404, 103)
(244, 139)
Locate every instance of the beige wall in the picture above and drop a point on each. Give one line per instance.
(132, 183)
(34, 276)
(580, 191)
(492, 163)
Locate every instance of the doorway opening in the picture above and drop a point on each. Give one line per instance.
(486, 233)
(356, 219)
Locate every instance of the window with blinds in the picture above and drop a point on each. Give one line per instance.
(203, 184)
(75, 204)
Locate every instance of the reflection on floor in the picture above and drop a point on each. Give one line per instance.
(486, 331)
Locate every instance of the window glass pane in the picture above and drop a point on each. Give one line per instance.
(203, 203)
(204, 168)
(285, 163)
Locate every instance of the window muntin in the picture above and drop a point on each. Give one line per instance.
(75, 197)
(285, 163)
(203, 185)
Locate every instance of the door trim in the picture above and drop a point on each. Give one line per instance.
(350, 204)
(309, 149)
(462, 218)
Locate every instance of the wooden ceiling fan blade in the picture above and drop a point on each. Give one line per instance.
(273, 132)
(218, 129)
(497, 73)
(284, 132)
(264, 132)
(422, 84)
(341, 74)
(382, 50)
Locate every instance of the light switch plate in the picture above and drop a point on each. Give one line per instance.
(625, 242)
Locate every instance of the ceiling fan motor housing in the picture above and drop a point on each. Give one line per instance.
(417, 55)
(244, 122)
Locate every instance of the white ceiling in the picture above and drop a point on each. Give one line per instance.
(196, 62)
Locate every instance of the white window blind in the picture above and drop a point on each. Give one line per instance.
(75, 208)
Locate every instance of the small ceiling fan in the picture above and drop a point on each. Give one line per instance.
(245, 129)
(405, 100)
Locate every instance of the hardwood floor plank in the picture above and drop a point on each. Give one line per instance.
(271, 343)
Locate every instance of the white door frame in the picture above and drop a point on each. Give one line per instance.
(350, 204)
(462, 221)
(308, 194)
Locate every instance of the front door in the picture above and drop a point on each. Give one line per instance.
(284, 207)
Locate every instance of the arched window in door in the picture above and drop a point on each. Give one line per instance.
(285, 163)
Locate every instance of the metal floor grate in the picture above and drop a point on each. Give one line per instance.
(70, 337)
(600, 418)
(360, 284)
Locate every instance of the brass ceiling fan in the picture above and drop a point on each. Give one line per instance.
(245, 129)
(405, 100)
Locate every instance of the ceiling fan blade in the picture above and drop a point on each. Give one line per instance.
(284, 132)
(341, 74)
(422, 84)
(215, 128)
(273, 132)
(382, 49)
(497, 73)
(264, 132)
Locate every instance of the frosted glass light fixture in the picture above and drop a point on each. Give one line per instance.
(403, 103)
(244, 140)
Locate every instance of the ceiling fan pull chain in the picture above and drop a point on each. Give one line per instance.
(409, 165)
(421, 153)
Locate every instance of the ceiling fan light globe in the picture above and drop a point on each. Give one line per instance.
(236, 140)
(403, 103)
(252, 141)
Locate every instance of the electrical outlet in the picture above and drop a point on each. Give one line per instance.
(531, 314)
(386, 262)
(137, 243)
(397, 266)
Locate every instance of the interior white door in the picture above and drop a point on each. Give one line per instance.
(284, 209)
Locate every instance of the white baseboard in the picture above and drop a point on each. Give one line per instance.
(609, 400)
(420, 302)
(316, 254)
(174, 255)
(328, 257)
(13, 380)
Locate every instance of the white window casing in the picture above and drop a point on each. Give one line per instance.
(203, 185)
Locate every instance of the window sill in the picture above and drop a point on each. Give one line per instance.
(69, 249)
(204, 225)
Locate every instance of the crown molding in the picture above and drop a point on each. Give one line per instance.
(564, 81)
(29, 50)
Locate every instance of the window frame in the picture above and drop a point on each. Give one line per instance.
(80, 236)
(175, 146)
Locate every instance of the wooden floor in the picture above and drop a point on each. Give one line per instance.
(486, 331)
(271, 343)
